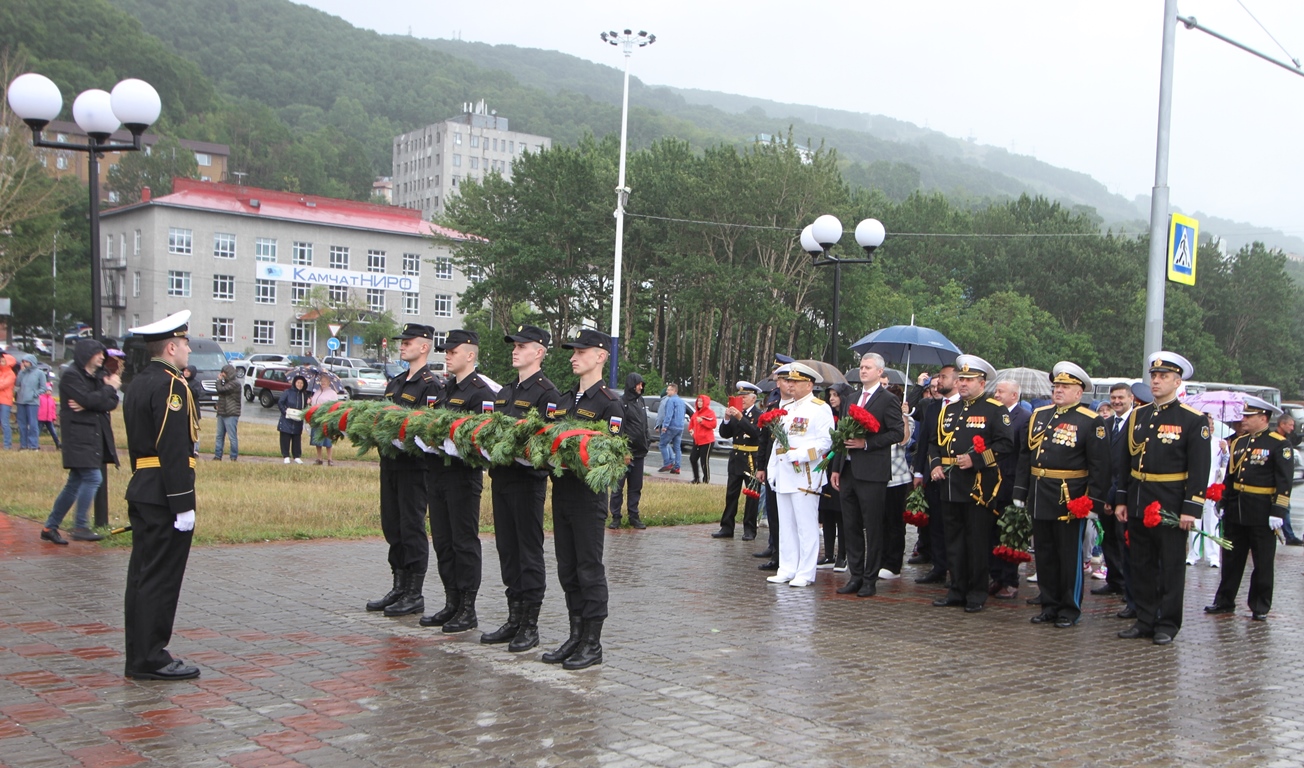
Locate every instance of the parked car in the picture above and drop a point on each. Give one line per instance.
(686, 440)
(344, 366)
(205, 354)
(367, 383)
(34, 345)
(269, 383)
(394, 368)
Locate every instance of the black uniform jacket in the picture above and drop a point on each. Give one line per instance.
(535, 392)
(746, 438)
(1258, 478)
(161, 421)
(421, 391)
(1063, 454)
(471, 394)
(1166, 459)
(873, 463)
(958, 424)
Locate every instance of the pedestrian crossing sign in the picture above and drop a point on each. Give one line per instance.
(1183, 233)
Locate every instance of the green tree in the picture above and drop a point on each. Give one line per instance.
(155, 169)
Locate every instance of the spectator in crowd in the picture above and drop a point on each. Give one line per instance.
(839, 397)
(701, 425)
(47, 412)
(670, 425)
(1286, 428)
(293, 402)
(635, 430)
(898, 488)
(1005, 575)
(228, 412)
(86, 398)
(324, 393)
(197, 391)
(8, 374)
(29, 383)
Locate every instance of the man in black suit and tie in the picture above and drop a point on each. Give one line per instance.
(1120, 399)
(861, 477)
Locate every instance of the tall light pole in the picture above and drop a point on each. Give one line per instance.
(134, 104)
(818, 240)
(1157, 270)
(628, 41)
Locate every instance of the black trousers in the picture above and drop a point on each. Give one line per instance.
(772, 519)
(159, 553)
(937, 526)
(578, 535)
(835, 537)
(968, 531)
(634, 479)
(291, 446)
(1157, 570)
(894, 527)
(740, 464)
(1256, 540)
(1114, 552)
(403, 515)
(518, 495)
(455, 522)
(701, 456)
(1059, 566)
(862, 526)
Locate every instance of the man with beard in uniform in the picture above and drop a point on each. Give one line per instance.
(927, 414)
(578, 512)
(403, 482)
(1064, 455)
(454, 489)
(518, 493)
(1255, 504)
(161, 419)
(740, 425)
(1167, 461)
(970, 479)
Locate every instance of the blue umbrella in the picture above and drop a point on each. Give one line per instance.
(909, 344)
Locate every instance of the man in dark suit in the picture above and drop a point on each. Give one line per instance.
(1005, 575)
(740, 426)
(1120, 399)
(945, 382)
(861, 477)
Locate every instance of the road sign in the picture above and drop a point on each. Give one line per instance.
(1183, 236)
(357, 341)
(384, 343)
(332, 343)
(335, 328)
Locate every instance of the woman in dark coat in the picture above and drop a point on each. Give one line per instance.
(291, 430)
(839, 397)
(86, 398)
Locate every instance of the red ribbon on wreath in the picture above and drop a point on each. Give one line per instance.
(344, 418)
(453, 427)
(402, 429)
(584, 434)
(476, 431)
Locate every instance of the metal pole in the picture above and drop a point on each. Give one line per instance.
(1155, 276)
(620, 224)
(837, 299)
(93, 166)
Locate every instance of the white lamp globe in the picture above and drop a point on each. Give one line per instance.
(35, 98)
(93, 111)
(827, 230)
(870, 234)
(136, 104)
(808, 243)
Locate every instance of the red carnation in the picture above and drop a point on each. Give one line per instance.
(979, 445)
(1152, 516)
(768, 417)
(1080, 507)
(865, 419)
(1127, 540)
(748, 492)
(1214, 492)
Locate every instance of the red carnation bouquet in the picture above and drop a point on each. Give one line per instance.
(752, 487)
(1015, 526)
(1154, 516)
(916, 513)
(1214, 492)
(773, 421)
(858, 423)
(979, 444)
(1078, 509)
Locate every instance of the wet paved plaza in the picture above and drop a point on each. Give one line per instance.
(706, 664)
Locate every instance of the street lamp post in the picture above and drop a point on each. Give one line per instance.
(134, 104)
(628, 41)
(818, 240)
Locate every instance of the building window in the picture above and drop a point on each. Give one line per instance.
(375, 261)
(338, 294)
(224, 330)
(475, 141)
(203, 159)
(224, 287)
(412, 264)
(180, 241)
(298, 293)
(457, 137)
(474, 273)
(135, 285)
(475, 163)
(113, 196)
(136, 250)
(301, 254)
(339, 257)
(440, 338)
(376, 300)
(108, 248)
(300, 335)
(443, 268)
(178, 283)
(511, 147)
(443, 305)
(457, 161)
(265, 249)
(411, 303)
(264, 332)
(122, 246)
(264, 291)
(223, 245)
(61, 163)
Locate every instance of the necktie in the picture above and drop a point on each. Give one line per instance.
(864, 396)
(1118, 424)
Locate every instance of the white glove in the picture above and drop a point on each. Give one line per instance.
(1018, 504)
(450, 448)
(422, 445)
(1275, 523)
(397, 443)
(186, 521)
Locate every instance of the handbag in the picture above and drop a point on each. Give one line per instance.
(294, 414)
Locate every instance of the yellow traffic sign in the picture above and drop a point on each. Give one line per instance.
(1183, 236)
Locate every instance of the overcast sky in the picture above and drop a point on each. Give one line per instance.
(1075, 84)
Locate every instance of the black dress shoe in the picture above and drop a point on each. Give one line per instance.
(973, 607)
(749, 536)
(722, 534)
(637, 523)
(919, 560)
(767, 552)
(1033, 600)
(773, 565)
(1108, 589)
(851, 587)
(1216, 608)
(1128, 612)
(932, 577)
(869, 590)
(52, 535)
(1064, 622)
(945, 602)
(176, 670)
(1162, 638)
(614, 525)
(1133, 632)
(1043, 618)
(1259, 616)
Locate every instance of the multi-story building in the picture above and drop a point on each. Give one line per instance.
(430, 162)
(246, 262)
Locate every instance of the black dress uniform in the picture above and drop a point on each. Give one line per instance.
(454, 488)
(161, 420)
(746, 438)
(966, 494)
(518, 496)
(403, 495)
(1258, 487)
(1063, 455)
(1167, 460)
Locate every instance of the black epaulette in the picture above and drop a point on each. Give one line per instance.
(1087, 411)
(546, 383)
(610, 395)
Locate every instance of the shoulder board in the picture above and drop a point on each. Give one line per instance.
(426, 375)
(1085, 411)
(546, 383)
(817, 401)
(1050, 407)
(1193, 410)
(1277, 436)
(610, 395)
(477, 380)
(994, 401)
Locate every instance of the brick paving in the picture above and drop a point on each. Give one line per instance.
(705, 665)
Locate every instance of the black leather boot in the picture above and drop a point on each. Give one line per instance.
(465, 618)
(589, 651)
(395, 592)
(507, 632)
(528, 635)
(452, 601)
(564, 650)
(412, 600)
